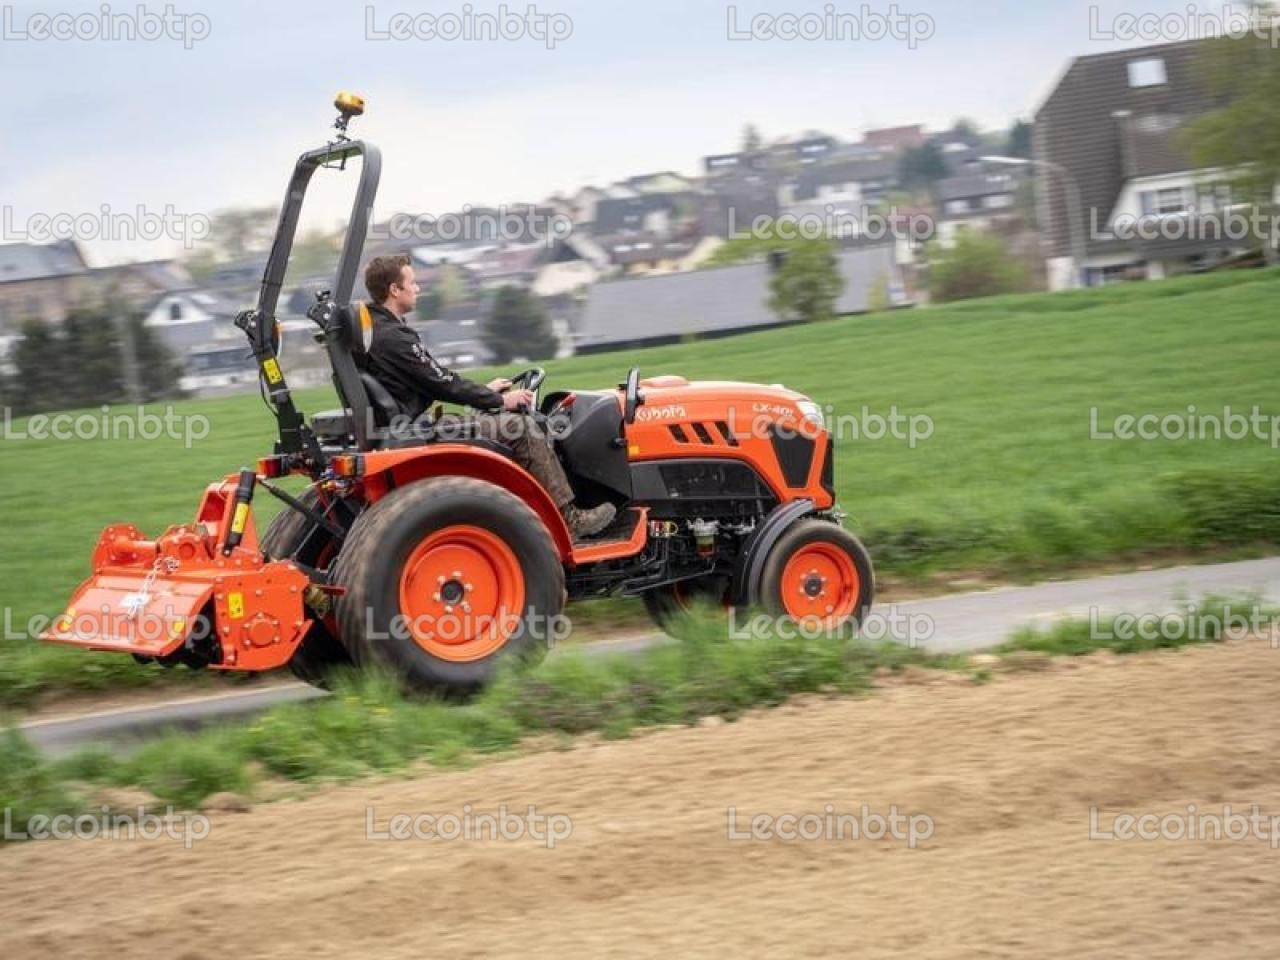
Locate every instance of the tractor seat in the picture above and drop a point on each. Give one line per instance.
(335, 426)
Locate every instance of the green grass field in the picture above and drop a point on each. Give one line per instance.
(1010, 479)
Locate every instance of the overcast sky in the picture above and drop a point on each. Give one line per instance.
(215, 121)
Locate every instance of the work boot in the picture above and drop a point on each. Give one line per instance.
(587, 523)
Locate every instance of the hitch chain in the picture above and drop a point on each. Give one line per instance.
(140, 599)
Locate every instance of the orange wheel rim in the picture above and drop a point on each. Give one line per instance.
(462, 593)
(820, 584)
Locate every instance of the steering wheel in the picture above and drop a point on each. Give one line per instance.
(634, 398)
(530, 380)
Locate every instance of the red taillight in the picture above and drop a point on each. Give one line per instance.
(272, 467)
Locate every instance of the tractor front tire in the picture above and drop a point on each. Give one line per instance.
(445, 579)
(818, 573)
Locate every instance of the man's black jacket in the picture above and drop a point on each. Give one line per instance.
(398, 360)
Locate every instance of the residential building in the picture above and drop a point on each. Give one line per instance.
(40, 281)
(1115, 122)
(642, 311)
(982, 200)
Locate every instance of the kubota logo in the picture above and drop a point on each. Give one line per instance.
(669, 412)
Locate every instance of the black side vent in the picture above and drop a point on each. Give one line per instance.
(729, 438)
(703, 434)
(794, 453)
(678, 433)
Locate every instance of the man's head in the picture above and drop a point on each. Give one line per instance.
(391, 284)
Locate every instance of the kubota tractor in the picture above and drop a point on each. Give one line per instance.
(439, 556)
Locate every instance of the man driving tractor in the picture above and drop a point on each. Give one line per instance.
(398, 360)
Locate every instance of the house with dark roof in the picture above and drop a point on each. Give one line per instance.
(853, 181)
(40, 281)
(1132, 200)
(981, 200)
(715, 302)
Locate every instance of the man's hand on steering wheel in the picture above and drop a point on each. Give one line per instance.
(518, 401)
(501, 385)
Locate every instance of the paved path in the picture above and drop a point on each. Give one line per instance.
(940, 624)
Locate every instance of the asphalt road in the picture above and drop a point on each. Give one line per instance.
(963, 622)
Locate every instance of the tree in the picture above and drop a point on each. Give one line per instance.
(240, 231)
(1242, 135)
(751, 139)
(921, 167)
(978, 265)
(90, 355)
(314, 252)
(428, 305)
(807, 283)
(79, 364)
(965, 129)
(518, 326)
(39, 370)
(1019, 142)
(159, 371)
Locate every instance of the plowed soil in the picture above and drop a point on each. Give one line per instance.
(1007, 771)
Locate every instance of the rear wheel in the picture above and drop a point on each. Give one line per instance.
(818, 574)
(670, 606)
(289, 537)
(445, 579)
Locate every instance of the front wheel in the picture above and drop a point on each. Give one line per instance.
(818, 574)
(446, 578)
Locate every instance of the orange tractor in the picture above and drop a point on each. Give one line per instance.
(438, 556)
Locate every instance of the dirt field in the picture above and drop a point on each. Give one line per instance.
(1007, 771)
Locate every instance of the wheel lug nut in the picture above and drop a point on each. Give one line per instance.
(457, 574)
(448, 608)
(440, 580)
(435, 597)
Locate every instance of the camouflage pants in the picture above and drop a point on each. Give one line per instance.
(527, 441)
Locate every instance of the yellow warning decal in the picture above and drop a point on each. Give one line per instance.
(235, 606)
(272, 369)
(240, 519)
(177, 628)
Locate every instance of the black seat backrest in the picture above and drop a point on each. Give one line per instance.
(385, 409)
(345, 341)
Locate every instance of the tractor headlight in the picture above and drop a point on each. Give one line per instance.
(811, 412)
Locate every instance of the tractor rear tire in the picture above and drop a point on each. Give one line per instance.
(320, 651)
(818, 573)
(446, 579)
